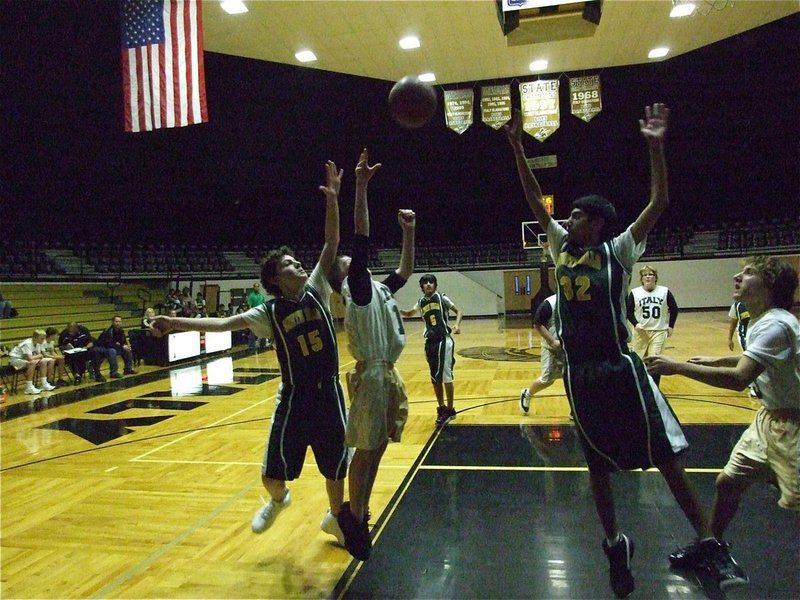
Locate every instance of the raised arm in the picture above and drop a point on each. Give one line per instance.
(533, 193)
(333, 181)
(364, 173)
(408, 223)
(654, 129)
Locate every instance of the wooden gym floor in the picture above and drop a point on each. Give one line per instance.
(144, 488)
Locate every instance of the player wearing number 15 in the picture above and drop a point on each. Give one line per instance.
(309, 408)
(621, 417)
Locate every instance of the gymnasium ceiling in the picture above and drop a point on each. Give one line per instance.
(461, 40)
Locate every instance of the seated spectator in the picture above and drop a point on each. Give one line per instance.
(28, 355)
(148, 316)
(222, 311)
(173, 301)
(50, 350)
(113, 342)
(187, 304)
(200, 302)
(5, 308)
(77, 345)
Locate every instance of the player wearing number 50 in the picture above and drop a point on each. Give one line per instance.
(378, 401)
(309, 408)
(652, 311)
(621, 417)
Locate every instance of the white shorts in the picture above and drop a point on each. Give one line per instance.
(378, 405)
(552, 366)
(770, 450)
(649, 343)
(18, 363)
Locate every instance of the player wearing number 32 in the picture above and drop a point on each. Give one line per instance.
(309, 408)
(622, 419)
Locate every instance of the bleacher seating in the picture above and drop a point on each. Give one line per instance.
(93, 261)
(54, 305)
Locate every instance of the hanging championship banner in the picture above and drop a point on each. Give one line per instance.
(584, 97)
(458, 109)
(495, 105)
(540, 115)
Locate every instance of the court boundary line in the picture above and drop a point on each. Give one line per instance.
(345, 581)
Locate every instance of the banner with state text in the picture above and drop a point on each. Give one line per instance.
(540, 110)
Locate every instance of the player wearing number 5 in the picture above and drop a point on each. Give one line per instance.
(652, 311)
(435, 309)
(622, 419)
(309, 408)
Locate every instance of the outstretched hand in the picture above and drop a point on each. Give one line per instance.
(333, 181)
(654, 126)
(513, 128)
(364, 172)
(406, 218)
(660, 365)
(160, 326)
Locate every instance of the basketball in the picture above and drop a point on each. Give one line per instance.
(412, 102)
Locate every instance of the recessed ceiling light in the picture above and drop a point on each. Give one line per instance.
(409, 43)
(682, 9)
(658, 53)
(538, 65)
(306, 56)
(233, 7)
(427, 77)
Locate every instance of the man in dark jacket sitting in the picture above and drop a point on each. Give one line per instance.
(113, 342)
(78, 347)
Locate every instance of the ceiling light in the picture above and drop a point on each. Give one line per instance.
(538, 65)
(409, 43)
(658, 53)
(427, 77)
(681, 8)
(233, 7)
(305, 56)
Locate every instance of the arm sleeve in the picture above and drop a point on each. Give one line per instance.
(358, 277)
(673, 309)
(394, 282)
(630, 308)
(542, 314)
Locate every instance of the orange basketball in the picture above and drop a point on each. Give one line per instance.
(412, 102)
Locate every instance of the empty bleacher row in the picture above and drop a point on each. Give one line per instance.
(765, 233)
(88, 260)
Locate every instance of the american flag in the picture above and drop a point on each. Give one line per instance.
(163, 77)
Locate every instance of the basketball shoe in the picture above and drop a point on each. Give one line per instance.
(266, 515)
(619, 565)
